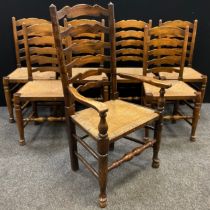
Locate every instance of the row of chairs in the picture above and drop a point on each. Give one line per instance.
(129, 49)
(55, 54)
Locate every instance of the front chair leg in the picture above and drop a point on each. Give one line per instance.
(72, 141)
(156, 146)
(8, 99)
(103, 148)
(19, 118)
(196, 115)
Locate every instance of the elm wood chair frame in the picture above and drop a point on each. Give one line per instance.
(129, 43)
(101, 128)
(190, 75)
(165, 51)
(84, 38)
(41, 54)
(19, 76)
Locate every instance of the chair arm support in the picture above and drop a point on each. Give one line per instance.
(98, 106)
(146, 79)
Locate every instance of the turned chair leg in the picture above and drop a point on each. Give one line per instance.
(203, 87)
(8, 99)
(175, 109)
(156, 146)
(103, 149)
(19, 118)
(196, 115)
(71, 130)
(35, 112)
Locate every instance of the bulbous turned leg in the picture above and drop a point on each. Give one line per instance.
(8, 99)
(19, 118)
(103, 149)
(196, 115)
(156, 146)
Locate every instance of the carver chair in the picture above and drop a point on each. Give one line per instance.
(104, 122)
(19, 76)
(83, 39)
(129, 54)
(165, 51)
(190, 75)
(40, 57)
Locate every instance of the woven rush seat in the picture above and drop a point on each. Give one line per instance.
(21, 74)
(189, 75)
(44, 90)
(131, 70)
(76, 71)
(179, 89)
(122, 117)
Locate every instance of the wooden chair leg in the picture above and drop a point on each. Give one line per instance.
(111, 146)
(146, 134)
(175, 109)
(35, 112)
(103, 148)
(8, 99)
(203, 87)
(156, 146)
(105, 93)
(72, 141)
(196, 115)
(19, 118)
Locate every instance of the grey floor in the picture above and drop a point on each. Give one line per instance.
(38, 175)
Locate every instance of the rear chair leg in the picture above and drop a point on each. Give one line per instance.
(176, 107)
(19, 118)
(8, 99)
(196, 115)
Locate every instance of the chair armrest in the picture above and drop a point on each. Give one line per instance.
(146, 79)
(98, 106)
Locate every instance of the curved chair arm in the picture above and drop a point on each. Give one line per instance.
(146, 79)
(98, 106)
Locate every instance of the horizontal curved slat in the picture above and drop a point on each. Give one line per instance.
(129, 34)
(88, 73)
(129, 51)
(44, 69)
(86, 28)
(130, 24)
(41, 40)
(82, 22)
(43, 50)
(40, 30)
(166, 31)
(163, 69)
(170, 60)
(89, 85)
(30, 21)
(86, 46)
(82, 10)
(178, 23)
(129, 58)
(165, 51)
(43, 60)
(88, 35)
(81, 61)
(130, 42)
(166, 42)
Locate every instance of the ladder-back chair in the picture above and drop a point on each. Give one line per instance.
(40, 57)
(104, 122)
(190, 75)
(14, 80)
(165, 51)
